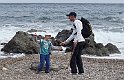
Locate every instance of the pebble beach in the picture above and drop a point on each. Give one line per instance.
(95, 69)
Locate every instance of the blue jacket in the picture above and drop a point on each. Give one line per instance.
(45, 47)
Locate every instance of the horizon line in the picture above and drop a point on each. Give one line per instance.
(59, 3)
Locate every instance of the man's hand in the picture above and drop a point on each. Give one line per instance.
(63, 43)
(60, 49)
(75, 44)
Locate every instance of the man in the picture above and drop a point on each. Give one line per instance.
(79, 44)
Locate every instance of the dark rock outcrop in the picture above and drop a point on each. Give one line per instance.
(94, 48)
(112, 48)
(22, 42)
(34, 30)
(62, 36)
(91, 47)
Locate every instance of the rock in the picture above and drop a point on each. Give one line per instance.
(62, 36)
(91, 47)
(4, 69)
(90, 42)
(34, 66)
(22, 42)
(99, 45)
(32, 30)
(112, 48)
(101, 50)
(96, 49)
(89, 50)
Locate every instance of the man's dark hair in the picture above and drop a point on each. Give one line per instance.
(72, 14)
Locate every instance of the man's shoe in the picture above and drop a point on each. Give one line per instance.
(46, 71)
(37, 72)
(73, 73)
(81, 73)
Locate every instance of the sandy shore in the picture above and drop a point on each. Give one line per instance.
(95, 69)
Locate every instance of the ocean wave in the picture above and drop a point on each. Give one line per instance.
(108, 18)
(26, 16)
(44, 18)
(123, 19)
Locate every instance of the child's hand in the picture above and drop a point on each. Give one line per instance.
(50, 53)
(60, 49)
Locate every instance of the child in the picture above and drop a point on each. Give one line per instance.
(45, 48)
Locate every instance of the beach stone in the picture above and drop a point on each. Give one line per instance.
(22, 42)
(4, 69)
(112, 48)
(34, 66)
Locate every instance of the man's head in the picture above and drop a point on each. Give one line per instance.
(72, 16)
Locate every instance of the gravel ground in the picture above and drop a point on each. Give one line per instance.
(95, 69)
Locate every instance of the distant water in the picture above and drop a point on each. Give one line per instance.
(107, 20)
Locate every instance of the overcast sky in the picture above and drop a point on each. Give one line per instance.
(61, 1)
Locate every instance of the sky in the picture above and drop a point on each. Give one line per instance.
(61, 1)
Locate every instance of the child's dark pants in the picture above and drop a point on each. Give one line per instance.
(44, 58)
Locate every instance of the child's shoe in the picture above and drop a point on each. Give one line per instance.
(46, 71)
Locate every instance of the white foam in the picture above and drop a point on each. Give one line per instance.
(116, 38)
(113, 56)
(123, 19)
(17, 55)
(12, 55)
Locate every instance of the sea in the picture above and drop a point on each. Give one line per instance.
(107, 21)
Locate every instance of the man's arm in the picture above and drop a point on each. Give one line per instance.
(71, 37)
(55, 47)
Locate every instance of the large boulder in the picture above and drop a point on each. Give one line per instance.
(22, 42)
(91, 47)
(112, 48)
(62, 36)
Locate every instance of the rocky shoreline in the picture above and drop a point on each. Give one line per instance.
(95, 69)
(23, 42)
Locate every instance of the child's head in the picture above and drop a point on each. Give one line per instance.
(47, 36)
